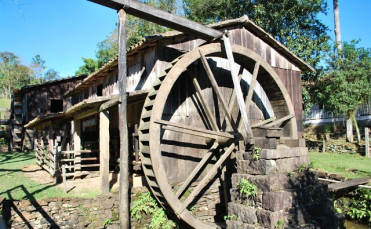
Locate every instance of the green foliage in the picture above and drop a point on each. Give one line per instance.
(137, 29)
(230, 217)
(337, 208)
(246, 189)
(327, 129)
(279, 224)
(256, 153)
(348, 165)
(302, 168)
(107, 222)
(345, 85)
(146, 204)
(360, 206)
(13, 74)
(14, 185)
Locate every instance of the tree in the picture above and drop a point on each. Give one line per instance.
(294, 23)
(12, 74)
(41, 73)
(346, 84)
(137, 29)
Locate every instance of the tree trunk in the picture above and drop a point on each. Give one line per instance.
(337, 25)
(349, 130)
(357, 129)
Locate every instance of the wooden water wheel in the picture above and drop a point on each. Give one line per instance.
(191, 122)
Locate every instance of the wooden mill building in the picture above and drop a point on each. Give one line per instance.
(34, 101)
(84, 138)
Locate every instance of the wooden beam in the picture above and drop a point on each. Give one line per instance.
(162, 17)
(279, 121)
(124, 195)
(237, 87)
(263, 122)
(77, 145)
(104, 150)
(210, 174)
(348, 183)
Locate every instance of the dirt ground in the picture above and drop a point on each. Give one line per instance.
(90, 182)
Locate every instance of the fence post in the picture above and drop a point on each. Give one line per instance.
(367, 142)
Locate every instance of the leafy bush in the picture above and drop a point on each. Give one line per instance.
(246, 189)
(360, 206)
(146, 204)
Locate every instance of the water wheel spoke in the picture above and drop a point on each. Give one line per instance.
(197, 169)
(215, 87)
(193, 130)
(262, 123)
(210, 174)
(251, 90)
(203, 102)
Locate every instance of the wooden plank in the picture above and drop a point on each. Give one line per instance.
(124, 197)
(104, 150)
(82, 159)
(208, 133)
(210, 174)
(80, 151)
(263, 122)
(203, 101)
(81, 166)
(279, 121)
(162, 17)
(215, 86)
(348, 183)
(77, 143)
(196, 170)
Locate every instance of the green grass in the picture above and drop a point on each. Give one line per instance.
(14, 185)
(348, 165)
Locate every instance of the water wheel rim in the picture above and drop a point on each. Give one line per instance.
(153, 137)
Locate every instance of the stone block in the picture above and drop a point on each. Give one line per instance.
(234, 224)
(275, 201)
(292, 164)
(243, 213)
(269, 218)
(271, 154)
(259, 167)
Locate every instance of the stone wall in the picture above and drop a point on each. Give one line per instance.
(63, 212)
(289, 195)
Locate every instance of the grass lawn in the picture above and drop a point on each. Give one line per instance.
(348, 165)
(14, 185)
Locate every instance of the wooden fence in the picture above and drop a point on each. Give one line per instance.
(73, 162)
(47, 159)
(323, 114)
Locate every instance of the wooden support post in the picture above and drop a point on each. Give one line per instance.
(367, 141)
(104, 150)
(124, 152)
(77, 146)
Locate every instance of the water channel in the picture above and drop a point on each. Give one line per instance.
(354, 225)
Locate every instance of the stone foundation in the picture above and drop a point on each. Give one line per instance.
(288, 193)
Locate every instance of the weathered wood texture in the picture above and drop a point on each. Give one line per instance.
(348, 183)
(104, 150)
(37, 99)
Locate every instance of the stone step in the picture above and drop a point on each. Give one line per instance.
(277, 182)
(265, 167)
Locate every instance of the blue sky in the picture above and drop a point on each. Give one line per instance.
(63, 31)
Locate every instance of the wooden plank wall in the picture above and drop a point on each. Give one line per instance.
(38, 98)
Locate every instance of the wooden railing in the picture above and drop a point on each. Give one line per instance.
(72, 165)
(323, 114)
(47, 159)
